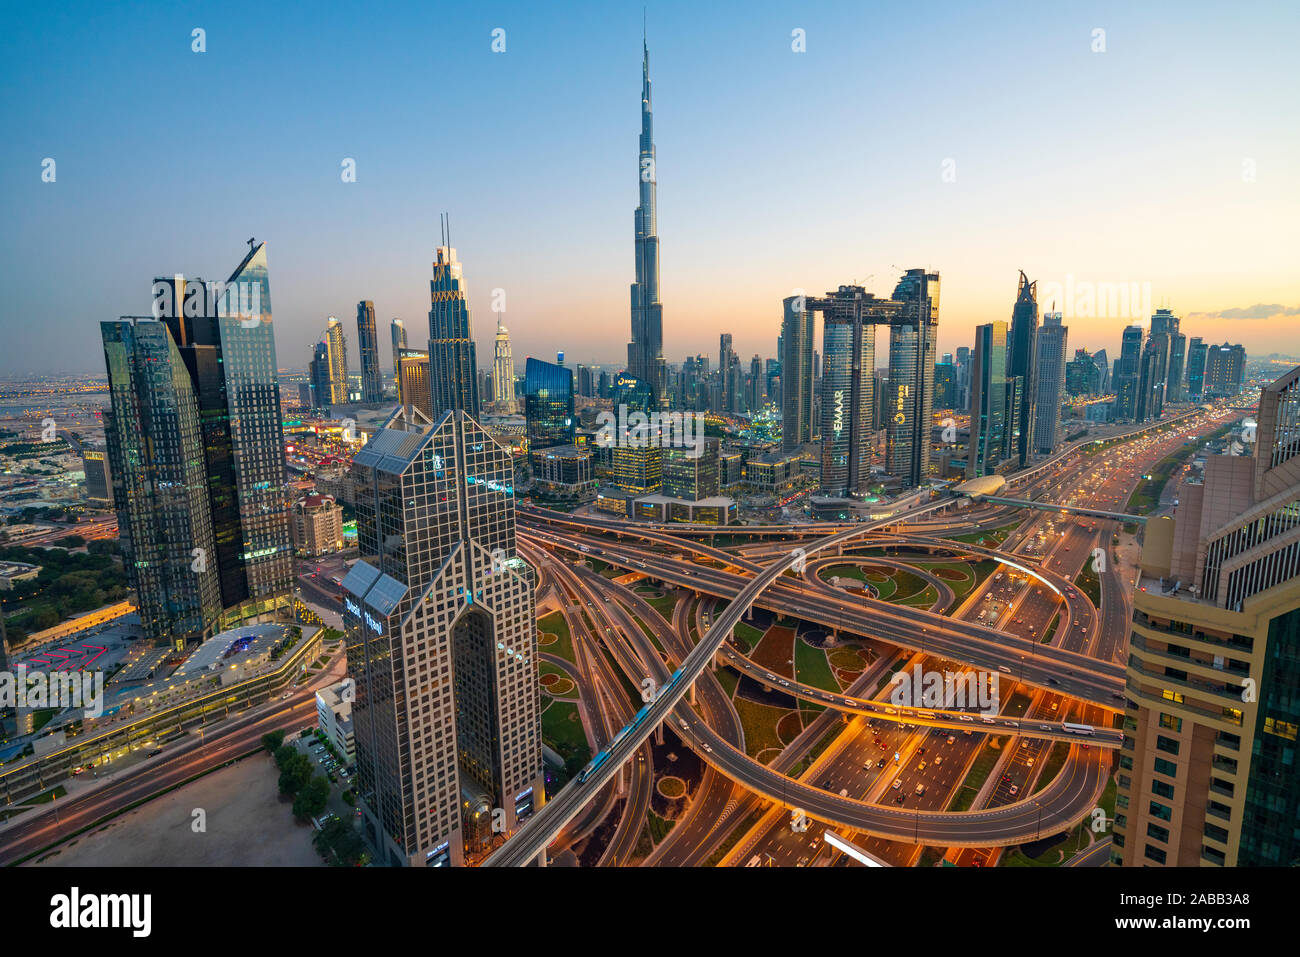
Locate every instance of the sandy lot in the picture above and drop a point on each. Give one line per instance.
(247, 826)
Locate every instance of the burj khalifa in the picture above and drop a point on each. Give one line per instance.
(645, 353)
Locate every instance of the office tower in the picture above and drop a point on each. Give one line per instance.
(963, 377)
(1050, 371)
(503, 368)
(441, 640)
(638, 468)
(755, 392)
(645, 353)
(99, 481)
(225, 337)
(772, 379)
(1207, 768)
(413, 381)
(1127, 370)
(602, 385)
(1150, 381)
(453, 379)
(548, 405)
(1011, 402)
(336, 363)
(398, 332)
(1177, 366)
(848, 390)
(988, 398)
(585, 387)
(796, 374)
(692, 478)
(372, 380)
(1196, 353)
(1225, 370)
(1083, 374)
(1103, 368)
(912, 338)
(160, 484)
(318, 371)
(736, 392)
(945, 384)
(1020, 362)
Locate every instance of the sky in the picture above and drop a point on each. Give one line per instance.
(1161, 155)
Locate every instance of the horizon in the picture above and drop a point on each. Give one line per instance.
(1180, 189)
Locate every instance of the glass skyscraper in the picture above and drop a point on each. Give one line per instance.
(453, 382)
(372, 380)
(1021, 363)
(548, 404)
(441, 641)
(645, 353)
(988, 402)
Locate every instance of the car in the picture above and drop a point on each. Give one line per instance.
(1053, 681)
(901, 797)
(898, 783)
(938, 761)
(920, 789)
(1029, 762)
(951, 738)
(1014, 790)
(921, 766)
(881, 762)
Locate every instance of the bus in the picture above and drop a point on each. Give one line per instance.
(1079, 728)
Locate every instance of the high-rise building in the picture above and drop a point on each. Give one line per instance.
(988, 400)
(911, 374)
(1020, 363)
(638, 468)
(503, 368)
(99, 482)
(318, 374)
(1177, 367)
(1207, 767)
(1049, 368)
(945, 384)
(848, 391)
(372, 380)
(1128, 369)
(689, 476)
(317, 525)
(1196, 353)
(160, 484)
(1103, 367)
(413, 381)
(548, 405)
(441, 641)
(398, 332)
(336, 347)
(963, 377)
(796, 374)
(645, 353)
(453, 381)
(1151, 378)
(225, 338)
(1225, 370)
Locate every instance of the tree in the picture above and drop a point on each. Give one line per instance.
(311, 799)
(272, 741)
(295, 775)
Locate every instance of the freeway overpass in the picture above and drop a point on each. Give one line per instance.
(532, 838)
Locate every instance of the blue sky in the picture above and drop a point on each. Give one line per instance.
(776, 169)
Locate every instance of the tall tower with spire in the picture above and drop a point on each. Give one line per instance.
(503, 368)
(645, 353)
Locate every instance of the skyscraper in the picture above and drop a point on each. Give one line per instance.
(727, 360)
(398, 332)
(1225, 370)
(1207, 767)
(372, 380)
(548, 405)
(1020, 363)
(160, 483)
(318, 371)
(912, 338)
(413, 381)
(453, 382)
(796, 373)
(645, 353)
(988, 402)
(1128, 369)
(225, 338)
(1196, 352)
(441, 640)
(848, 392)
(1050, 371)
(503, 368)
(336, 351)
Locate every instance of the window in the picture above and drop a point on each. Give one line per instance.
(1155, 854)
(1156, 809)
(1162, 788)
(1167, 768)
(1158, 832)
(1168, 745)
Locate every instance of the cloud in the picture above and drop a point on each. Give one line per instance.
(1258, 311)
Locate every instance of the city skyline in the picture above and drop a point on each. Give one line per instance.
(1108, 212)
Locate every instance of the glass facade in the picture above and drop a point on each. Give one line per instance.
(372, 381)
(453, 382)
(548, 404)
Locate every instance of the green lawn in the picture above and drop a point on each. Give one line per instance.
(750, 635)
(812, 667)
(759, 722)
(555, 624)
(562, 730)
